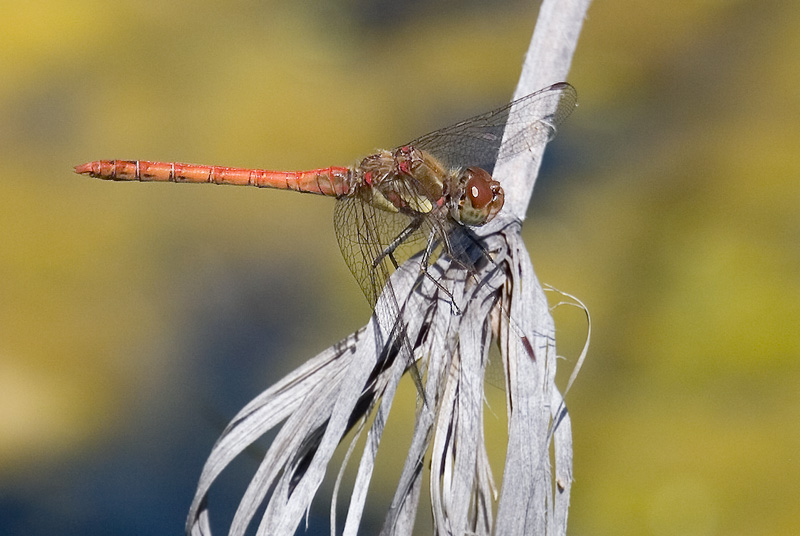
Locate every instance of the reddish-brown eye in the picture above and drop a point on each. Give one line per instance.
(479, 188)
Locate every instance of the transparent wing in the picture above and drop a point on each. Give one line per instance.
(373, 240)
(367, 234)
(476, 141)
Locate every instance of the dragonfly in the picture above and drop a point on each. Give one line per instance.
(395, 203)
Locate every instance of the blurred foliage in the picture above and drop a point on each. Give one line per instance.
(669, 204)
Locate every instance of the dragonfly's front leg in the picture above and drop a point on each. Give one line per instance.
(410, 229)
(430, 246)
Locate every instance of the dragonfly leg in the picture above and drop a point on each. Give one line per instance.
(423, 267)
(399, 239)
(398, 331)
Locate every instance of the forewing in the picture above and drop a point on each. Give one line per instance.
(476, 141)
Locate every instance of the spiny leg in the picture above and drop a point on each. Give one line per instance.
(412, 368)
(430, 246)
(410, 229)
(389, 252)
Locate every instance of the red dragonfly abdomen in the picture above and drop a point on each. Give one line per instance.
(331, 181)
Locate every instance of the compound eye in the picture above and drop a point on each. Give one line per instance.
(479, 198)
(479, 187)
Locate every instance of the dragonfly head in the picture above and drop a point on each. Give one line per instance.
(477, 197)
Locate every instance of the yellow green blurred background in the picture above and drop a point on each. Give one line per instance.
(136, 319)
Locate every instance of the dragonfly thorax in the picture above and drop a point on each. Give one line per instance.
(414, 182)
(406, 180)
